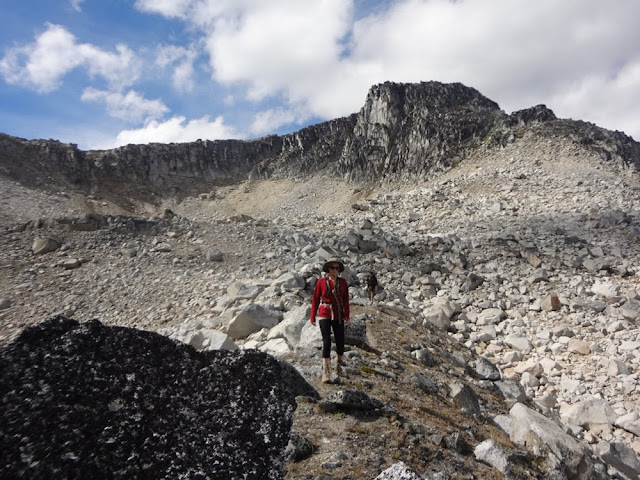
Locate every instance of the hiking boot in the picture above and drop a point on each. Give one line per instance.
(326, 378)
(338, 369)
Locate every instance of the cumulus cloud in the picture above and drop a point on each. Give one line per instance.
(42, 64)
(131, 106)
(180, 60)
(304, 46)
(177, 129)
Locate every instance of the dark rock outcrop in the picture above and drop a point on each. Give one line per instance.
(415, 130)
(90, 401)
(404, 131)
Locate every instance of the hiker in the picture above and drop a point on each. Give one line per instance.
(372, 283)
(330, 306)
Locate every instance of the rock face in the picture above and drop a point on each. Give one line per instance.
(89, 401)
(404, 131)
(414, 130)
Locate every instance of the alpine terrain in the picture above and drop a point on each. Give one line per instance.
(154, 300)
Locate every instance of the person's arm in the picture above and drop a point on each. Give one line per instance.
(345, 300)
(315, 301)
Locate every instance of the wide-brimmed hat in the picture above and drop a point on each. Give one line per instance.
(333, 261)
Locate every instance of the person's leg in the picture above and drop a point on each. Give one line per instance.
(338, 333)
(325, 329)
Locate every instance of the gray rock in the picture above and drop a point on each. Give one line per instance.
(349, 400)
(71, 264)
(214, 255)
(44, 245)
(491, 316)
(511, 391)
(439, 312)
(422, 382)
(289, 281)
(291, 326)
(483, 369)
(550, 303)
(240, 291)
(630, 310)
(298, 448)
(620, 457)
(629, 422)
(518, 342)
(355, 333)
(276, 347)
(544, 437)
(310, 336)
(465, 398)
(424, 356)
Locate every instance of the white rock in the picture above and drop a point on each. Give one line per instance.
(537, 433)
(275, 346)
(587, 413)
(629, 422)
(217, 340)
(487, 334)
(531, 366)
(518, 342)
(492, 454)
(616, 367)
(581, 347)
(291, 326)
(605, 288)
(251, 318)
(490, 316)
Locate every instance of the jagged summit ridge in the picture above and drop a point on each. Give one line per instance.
(412, 130)
(403, 131)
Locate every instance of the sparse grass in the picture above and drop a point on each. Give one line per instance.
(367, 369)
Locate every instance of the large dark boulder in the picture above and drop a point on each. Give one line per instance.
(91, 401)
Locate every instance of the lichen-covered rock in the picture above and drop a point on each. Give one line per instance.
(90, 401)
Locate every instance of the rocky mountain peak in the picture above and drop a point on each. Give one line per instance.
(403, 132)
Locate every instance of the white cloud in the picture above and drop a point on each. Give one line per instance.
(500, 47)
(270, 120)
(180, 60)
(245, 46)
(610, 101)
(167, 8)
(131, 107)
(176, 129)
(43, 64)
(297, 60)
(320, 61)
(76, 5)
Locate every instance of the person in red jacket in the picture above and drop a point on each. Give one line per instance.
(330, 306)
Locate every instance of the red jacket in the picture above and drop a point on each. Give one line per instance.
(324, 300)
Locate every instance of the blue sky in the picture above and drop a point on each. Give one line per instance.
(104, 73)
